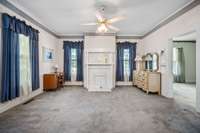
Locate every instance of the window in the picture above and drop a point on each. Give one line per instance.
(25, 65)
(126, 64)
(73, 64)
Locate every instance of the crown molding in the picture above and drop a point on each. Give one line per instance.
(99, 34)
(26, 16)
(128, 37)
(173, 16)
(70, 36)
(94, 34)
(192, 41)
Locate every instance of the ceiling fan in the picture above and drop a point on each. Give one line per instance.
(105, 24)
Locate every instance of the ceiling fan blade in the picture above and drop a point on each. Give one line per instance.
(89, 24)
(99, 16)
(115, 19)
(113, 28)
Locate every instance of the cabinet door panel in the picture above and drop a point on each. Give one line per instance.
(99, 78)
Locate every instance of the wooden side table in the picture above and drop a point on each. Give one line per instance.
(53, 81)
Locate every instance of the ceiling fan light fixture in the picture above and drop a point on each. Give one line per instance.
(102, 28)
(105, 24)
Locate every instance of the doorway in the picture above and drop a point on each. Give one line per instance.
(184, 69)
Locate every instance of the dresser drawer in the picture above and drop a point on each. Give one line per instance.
(148, 81)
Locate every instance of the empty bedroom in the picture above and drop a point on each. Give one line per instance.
(99, 66)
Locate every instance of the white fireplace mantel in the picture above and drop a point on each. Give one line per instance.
(99, 63)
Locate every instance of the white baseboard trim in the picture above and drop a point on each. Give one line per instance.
(122, 83)
(76, 83)
(20, 100)
(80, 83)
(100, 90)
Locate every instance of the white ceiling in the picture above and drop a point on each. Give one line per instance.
(64, 17)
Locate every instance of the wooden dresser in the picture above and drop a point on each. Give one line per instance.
(148, 81)
(53, 81)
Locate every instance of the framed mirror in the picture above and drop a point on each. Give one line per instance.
(148, 62)
(143, 63)
(151, 62)
(155, 62)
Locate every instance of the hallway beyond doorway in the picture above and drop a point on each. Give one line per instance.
(185, 93)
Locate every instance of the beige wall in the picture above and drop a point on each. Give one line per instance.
(162, 40)
(45, 40)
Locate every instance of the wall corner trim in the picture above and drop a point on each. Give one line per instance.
(97, 34)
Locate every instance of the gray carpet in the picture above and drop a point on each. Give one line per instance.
(125, 110)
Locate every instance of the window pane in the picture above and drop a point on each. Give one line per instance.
(73, 54)
(73, 64)
(126, 64)
(126, 54)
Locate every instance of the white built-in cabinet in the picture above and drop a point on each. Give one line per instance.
(99, 63)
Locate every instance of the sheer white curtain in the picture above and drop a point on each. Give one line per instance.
(178, 65)
(25, 65)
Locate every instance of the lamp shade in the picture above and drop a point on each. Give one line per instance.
(138, 58)
(148, 58)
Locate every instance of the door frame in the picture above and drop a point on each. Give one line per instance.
(170, 76)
